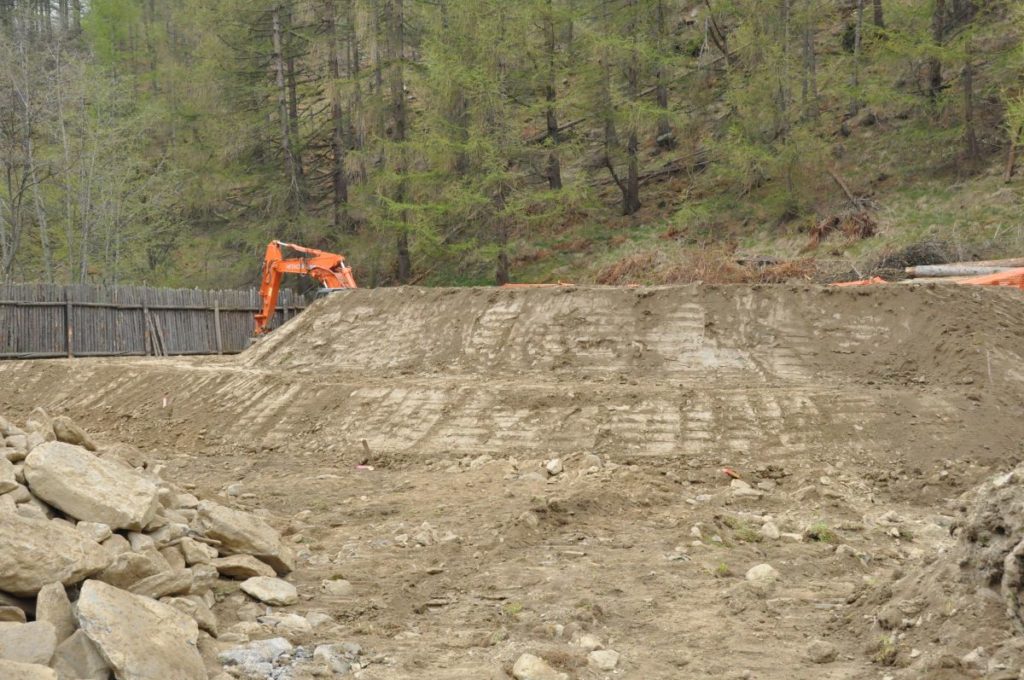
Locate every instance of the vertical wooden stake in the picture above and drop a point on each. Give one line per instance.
(68, 328)
(147, 340)
(216, 324)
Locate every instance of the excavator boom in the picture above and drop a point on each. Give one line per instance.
(327, 268)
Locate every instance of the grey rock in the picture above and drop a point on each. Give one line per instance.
(338, 657)
(90, 489)
(255, 653)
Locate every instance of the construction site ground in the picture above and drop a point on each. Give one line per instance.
(400, 437)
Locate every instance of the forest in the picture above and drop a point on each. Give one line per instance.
(459, 142)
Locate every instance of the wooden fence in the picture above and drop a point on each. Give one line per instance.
(40, 320)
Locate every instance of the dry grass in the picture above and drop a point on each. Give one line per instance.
(708, 266)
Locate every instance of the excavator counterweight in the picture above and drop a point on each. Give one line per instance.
(327, 268)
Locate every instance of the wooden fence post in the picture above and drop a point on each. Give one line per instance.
(69, 331)
(147, 340)
(216, 324)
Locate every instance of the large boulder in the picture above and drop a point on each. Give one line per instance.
(27, 642)
(54, 607)
(36, 552)
(12, 670)
(243, 533)
(90, 489)
(140, 638)
(77, 657)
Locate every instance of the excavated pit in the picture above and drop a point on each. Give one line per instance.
(856, 416)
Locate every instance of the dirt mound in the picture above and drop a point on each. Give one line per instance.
(960, 614)
(763, 333)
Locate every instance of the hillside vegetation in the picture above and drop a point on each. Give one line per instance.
(487, 141)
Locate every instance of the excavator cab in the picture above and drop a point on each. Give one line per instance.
(330, 269)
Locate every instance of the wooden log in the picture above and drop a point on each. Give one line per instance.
(939, 270)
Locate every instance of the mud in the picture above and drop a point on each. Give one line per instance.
(839, 407)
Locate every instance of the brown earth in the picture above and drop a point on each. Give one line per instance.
(859, 416)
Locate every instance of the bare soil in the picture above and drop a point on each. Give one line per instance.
(860, 417)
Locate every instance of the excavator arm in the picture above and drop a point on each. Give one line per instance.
(327, 268)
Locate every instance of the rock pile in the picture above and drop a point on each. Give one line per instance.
(106, 569)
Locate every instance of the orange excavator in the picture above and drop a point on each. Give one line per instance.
(327, 268)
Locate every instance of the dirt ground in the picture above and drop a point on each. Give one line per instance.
(400, 438)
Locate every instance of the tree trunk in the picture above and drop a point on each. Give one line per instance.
(971, 149)
(339, 181)
(1011, 155)
(664, 136)
(396, 29)
(291, 166)
(858, 33)
(554, 170)
(810, 84)
(879, 14)
(293, 92)
(935, 64)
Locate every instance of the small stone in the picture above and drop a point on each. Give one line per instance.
(770, 531)
(233, 490)
(244, 533)
(196, 552)
(821, 651)
(272, 591)
(196, 607)
(66, 430)
(174, 582)
(97, 531)
(116, 545)
(762, 572)
(11, 614)
(8, 477)
(589, 642)
(242, 567)
(339, 587)
(338, 657)
(173, 557)
(591, 460)
(317, 619)
(530, 667)
(54, 607)
(603, 659)
(554, 466)
(27, 642)
(975, 660)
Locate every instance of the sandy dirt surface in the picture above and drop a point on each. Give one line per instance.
(855, 418)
